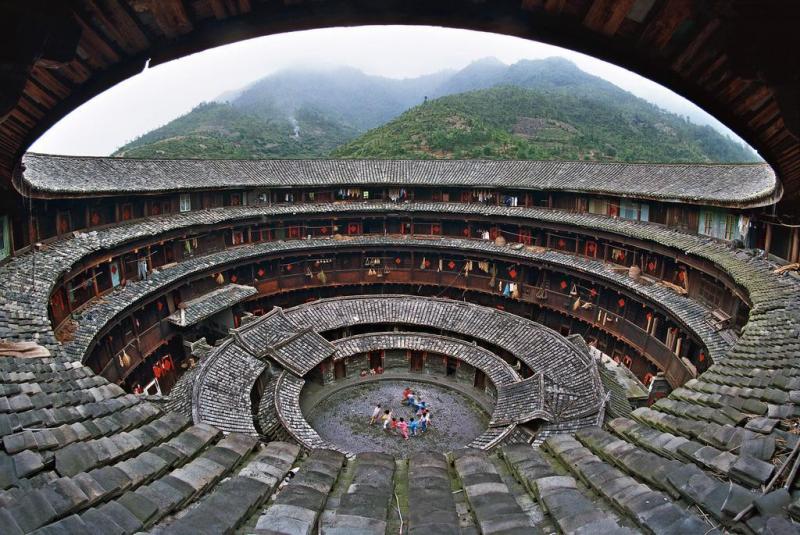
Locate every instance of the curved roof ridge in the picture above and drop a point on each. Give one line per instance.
(724, 184)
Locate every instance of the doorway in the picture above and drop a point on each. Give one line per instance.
(339, 370)
(417, 361)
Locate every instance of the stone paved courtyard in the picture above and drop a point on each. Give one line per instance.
(343, 418)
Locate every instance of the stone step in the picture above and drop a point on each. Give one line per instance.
(85, 455)
(72, 494)
(234, 500)
(364, 506)
(571, 510)
(722, 500)
(651, 510)
(530, 467)
(746, 467)
(297, 507)
(494, 506)
(431, 508)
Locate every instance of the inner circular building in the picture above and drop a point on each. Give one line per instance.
(371, 345)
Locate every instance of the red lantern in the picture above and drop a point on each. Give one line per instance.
(593, 292)
(590, 248)
(289, 267)
(398, 261)
(563, 285)
(649, 316)
(648, 378)
(561, 244)
(701, 357)
(621, 302)
(113, 269)
(159, 306)
(435, 229)
(352, 228)
(465, 232)
(234, 278)
(261, 272)
(512, 273)
(451, 265)
(651, 266)
(427, 264)
(324, 230)
(95, 219)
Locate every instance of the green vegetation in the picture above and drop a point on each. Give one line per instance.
(516, 123)
(543, 109)
(220, 130)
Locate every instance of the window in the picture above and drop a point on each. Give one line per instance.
(598, 206)
(186, 202)
(628, 210)
(712, 293)
(730, 227)
(720, 225)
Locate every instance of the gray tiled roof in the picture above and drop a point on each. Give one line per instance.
(723, 184)
(208, 304)
(273, 335)
(709, 445)
(540, 348)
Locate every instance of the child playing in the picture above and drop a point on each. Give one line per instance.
(386, 418)
(403, 427)
(427, 418)
(423, 422)
(394, 424)
(406, 393)
(412, 426)
(375, 413)
(411, 399)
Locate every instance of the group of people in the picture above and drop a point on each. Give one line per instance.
(417, 424)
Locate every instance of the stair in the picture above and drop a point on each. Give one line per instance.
(364, 507)
(652, 511)
(494, 506)
(297, 507)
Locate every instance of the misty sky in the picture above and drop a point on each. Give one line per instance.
(162, 93)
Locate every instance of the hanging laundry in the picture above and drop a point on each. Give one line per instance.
(507, 290)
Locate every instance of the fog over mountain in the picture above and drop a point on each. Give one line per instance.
(313, 113)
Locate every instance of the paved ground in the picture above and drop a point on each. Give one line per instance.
(343, 418)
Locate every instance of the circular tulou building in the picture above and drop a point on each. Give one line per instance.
(197, 346)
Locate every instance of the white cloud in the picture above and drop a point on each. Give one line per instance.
(162, 93)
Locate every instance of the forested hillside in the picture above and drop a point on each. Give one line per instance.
(531, 109)
(515, 123)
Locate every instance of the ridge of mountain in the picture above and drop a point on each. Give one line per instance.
(306, 113)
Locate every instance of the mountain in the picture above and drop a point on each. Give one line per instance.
(515, 123)
(302, 113)
(290, 114)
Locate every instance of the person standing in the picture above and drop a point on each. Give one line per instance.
(403, 427)
(412, 426)
(375, 413)
(386, 419)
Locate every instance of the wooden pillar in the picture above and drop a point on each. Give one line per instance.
(795, 248)
(768, 238)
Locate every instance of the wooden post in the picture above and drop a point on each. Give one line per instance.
(795, 249)
(768, 239)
